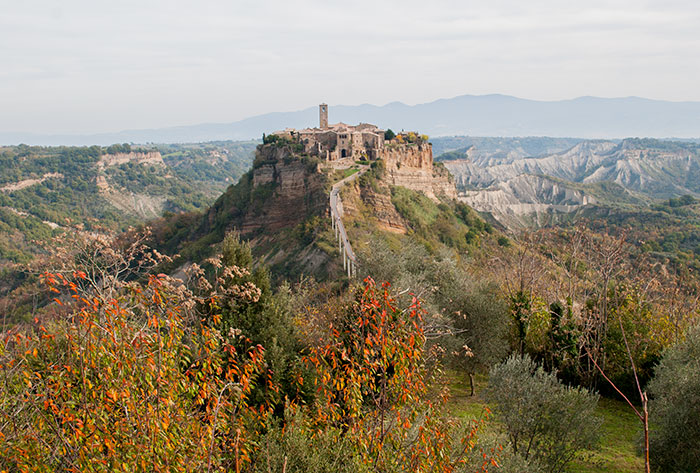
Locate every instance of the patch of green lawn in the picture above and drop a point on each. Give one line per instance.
(620, 434)
(340, 174)
(617, 452)
(349, 172)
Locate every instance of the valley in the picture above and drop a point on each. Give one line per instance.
(333, 237)
(525, 191)
(44, 191)
(485, 259)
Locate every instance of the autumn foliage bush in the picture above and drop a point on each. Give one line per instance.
(371, 388)
(144, 374)
(125, 385)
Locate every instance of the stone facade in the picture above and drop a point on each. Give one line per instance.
(338, 141)
(408, 157)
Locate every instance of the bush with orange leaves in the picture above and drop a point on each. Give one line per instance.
(372, 390)
(141, 375)
(125, 385)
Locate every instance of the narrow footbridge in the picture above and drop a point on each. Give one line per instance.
(349, 259)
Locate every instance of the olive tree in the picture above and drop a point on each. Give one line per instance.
(546, 421)
(675, 408)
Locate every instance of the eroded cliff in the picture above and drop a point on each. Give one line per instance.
(294, 187)
(412, 166)
(282, 204)
(281, 191)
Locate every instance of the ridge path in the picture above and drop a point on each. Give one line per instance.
(336, 204)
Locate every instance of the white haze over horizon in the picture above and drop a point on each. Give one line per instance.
(79, 66)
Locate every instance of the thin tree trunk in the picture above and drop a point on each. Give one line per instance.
(644, 415)
(647, 465)
(471, 384)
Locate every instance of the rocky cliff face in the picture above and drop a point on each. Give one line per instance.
(361, 202)
(143, 206)
(282, 205)
(524, 199)
(405, 165)
(638, 167)
(279, 207)
(286, 189)
(490, 151)
(659, 169)
(411, 166)
(151, 157)
(572, 165)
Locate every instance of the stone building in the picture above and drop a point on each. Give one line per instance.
(407, 157)
(338, 141)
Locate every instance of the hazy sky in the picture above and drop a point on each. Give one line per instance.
(74, 66)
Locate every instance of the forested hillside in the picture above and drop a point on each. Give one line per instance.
(46, 191)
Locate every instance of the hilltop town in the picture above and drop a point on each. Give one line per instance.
(406, 157)
(333, 142)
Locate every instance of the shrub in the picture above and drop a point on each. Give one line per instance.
(544, 420)
(372, 389)
(675, 408)
(507, 461)
(378, 167)
(503, 241)
(127, 384)
(297, 448)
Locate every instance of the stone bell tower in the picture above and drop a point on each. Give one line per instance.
(323, 115)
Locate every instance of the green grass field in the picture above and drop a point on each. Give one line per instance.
(620, 432)
(339, 174)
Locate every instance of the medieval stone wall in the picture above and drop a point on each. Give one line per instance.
(372, 140)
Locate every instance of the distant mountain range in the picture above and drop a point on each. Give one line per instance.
(474, 115)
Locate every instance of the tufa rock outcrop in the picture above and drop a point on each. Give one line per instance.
(150, 157)
(412, 166)
(281, 191)
(294, 185)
